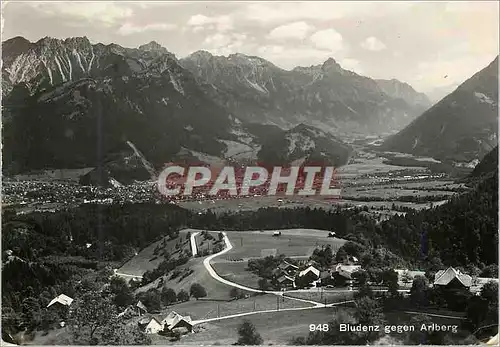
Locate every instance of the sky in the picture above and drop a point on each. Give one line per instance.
(430, 45)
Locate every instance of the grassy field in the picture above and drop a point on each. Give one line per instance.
(275, 328)
(215, 289)
(204, 309)
(236, 273)
(145, 260)
(292, 242)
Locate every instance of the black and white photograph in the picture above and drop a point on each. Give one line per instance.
(220, 173)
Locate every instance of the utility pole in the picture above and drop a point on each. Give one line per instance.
(277, 303)
(241, 241)
(218, 310)
(254, 304)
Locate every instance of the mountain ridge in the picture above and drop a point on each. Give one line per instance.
(462, 127)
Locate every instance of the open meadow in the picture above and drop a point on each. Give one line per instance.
(146, 260)
(275, 327)
(291, 242)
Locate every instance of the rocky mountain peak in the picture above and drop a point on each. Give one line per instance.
(153, 46)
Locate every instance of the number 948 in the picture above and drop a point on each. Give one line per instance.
(318, 327)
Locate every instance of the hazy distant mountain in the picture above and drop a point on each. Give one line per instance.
(402, 90)
(436, 94)
(324, 95)
(461, 127)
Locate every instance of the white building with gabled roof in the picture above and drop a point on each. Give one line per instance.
(450, 275)
(310, 268)
(62, 299)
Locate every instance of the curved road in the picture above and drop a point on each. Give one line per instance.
(213, 273)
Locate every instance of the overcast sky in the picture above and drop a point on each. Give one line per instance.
(427, 44)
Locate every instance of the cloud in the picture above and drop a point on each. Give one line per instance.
(197, 29)
(224, 43)
(220, 23)
(296, 30)
(373, 44)
(288, 57)
(129, 28)
(450, 70)
(107, 13)
(328, 39)
(351, 64)
(268, 12)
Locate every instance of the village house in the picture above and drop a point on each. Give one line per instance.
(286, 282)
(307, 277)
(342, 275)
(310, 269)
(61, 301)
(326, 278)
(175, 321)
(141, 308)
(452, 279)
(287, 268)
(150, 325)
(154, 324)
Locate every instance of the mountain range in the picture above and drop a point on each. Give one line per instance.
(73, 104)
(70, 103)
(462, 127)
(324, 95)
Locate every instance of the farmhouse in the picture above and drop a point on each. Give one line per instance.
(288, 268)
(451, 278)
(141, 308)
(61, 301)
(176, 321)
(309, 269)
(342, 274)
(286, 282)
(150, 325)
(173, 321)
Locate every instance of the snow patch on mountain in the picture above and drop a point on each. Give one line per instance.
(484, 98)
(176, 84)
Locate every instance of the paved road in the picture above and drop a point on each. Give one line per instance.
(194, 250)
